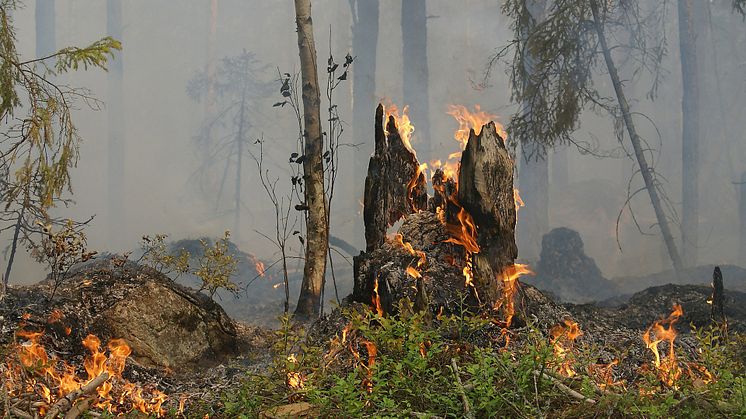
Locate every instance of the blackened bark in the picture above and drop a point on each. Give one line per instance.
(717, 300)
(485, 190)
(392, 170)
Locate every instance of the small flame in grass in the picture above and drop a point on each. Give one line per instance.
(294, 379)
(115, 395)
(403, 124)
(604, 375)
(372, 352)
(668, 368)
(509, 277)
(562, 339)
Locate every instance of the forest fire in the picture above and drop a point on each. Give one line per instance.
(562, 339)
(467, 121)
(58, 384)
(377, 299)
(667, 367)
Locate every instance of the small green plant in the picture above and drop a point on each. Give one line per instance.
(214, 266)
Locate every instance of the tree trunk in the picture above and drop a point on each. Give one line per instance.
(239, 156)
(116, 126)
(533, 185)
(645, 170)
(364, 46)
(313, 169)
(45, 28)
(533, 173)
(415, 72)
(210, 64)
(11, 258)
(742, 219)
(690, 132)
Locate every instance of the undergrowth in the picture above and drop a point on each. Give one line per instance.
(414, 366)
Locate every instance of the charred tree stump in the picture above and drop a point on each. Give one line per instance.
(485, 190)
(394, 186)
(451, 248)
(717, 313)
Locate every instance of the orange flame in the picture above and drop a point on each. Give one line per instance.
(467, 121)
(403, 124)
(509, 277)
(562, 338)
(668, 368)
(372, 352)
(518, 201)
(377, 299)
(411, 271)
(51, 373)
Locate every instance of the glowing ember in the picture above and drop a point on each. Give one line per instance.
(562, 338)
(509, 278)
(411, 271)
(53, 379)
(668, 368)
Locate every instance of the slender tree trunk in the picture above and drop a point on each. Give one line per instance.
(742, 220)
(116, 126)
(690, 131)
(645, 170)
(210, 64)
(533, 176)
(364, 101)
(415, 72)
(13, 248)
(239, 149)
(317, 237)
(45, 28)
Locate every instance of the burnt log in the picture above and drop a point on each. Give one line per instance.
(394, 187)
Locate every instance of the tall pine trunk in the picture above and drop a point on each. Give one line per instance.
(115, 115)
(690, 132)
(415, 72)
(317, 236)
(645, 170)
(533, 175)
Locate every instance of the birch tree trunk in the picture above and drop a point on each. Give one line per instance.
(317, 235)
(690, 131)
(645, 170)
(115, 123)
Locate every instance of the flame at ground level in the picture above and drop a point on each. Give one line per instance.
(668, 368)
(53, 379)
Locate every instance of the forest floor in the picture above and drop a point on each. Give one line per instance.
(558, 360)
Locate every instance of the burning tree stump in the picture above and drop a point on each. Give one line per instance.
(455, 249)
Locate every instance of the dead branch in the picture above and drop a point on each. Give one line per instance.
(66, 402)
(460, 386)
(563, 388)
